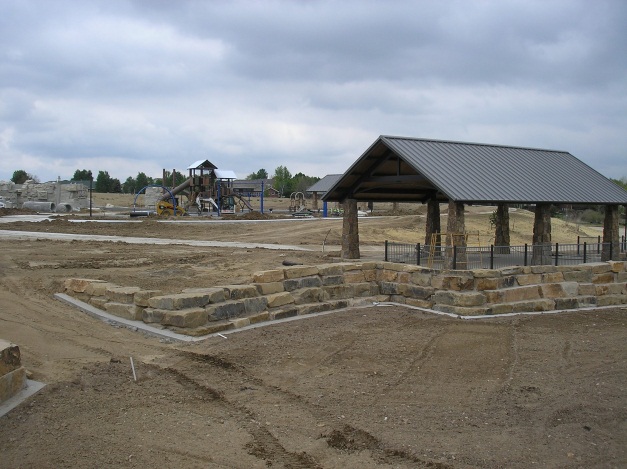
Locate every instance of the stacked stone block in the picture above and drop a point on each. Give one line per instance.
(12, 373)
(297, 290)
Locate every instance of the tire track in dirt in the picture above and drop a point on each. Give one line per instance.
(269, 446)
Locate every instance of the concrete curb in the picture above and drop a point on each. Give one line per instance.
(31, 388)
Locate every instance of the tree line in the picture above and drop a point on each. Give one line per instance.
(282, 180)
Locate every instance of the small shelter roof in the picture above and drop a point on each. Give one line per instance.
(324, 184)
(225, 174)
(202, 164)
(401, 169)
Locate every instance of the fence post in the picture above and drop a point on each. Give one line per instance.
(599, 244)
(585, 251)
(491, 256)
(578, 238)
(454, 257)
(525, 261)
(611, 246)
(418, 254)
(557, 253)
(386, 250)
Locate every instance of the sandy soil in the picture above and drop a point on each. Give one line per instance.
(374, 387)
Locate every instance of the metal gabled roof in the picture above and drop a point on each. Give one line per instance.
(202, 164)
(324, 184)
(411, 169)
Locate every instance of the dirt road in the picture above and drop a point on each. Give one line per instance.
(378, 387)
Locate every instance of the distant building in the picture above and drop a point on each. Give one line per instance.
(253, 187)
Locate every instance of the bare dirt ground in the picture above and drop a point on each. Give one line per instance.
(377, 387)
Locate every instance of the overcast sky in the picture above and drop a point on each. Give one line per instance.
(130, 86)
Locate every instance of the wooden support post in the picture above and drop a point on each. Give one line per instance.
(455, 236)
(501, 232)
(350, 230)
(611, 248)
(541, 254)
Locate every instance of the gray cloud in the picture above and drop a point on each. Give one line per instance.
(129, 86)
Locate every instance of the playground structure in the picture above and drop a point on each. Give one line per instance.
(298, 206)
(206, 191)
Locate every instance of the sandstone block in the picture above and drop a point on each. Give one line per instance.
(446, 281)
(141, 297)
(12, 382)
(494, 283)
(462, 310)
(365, 289)
(575, 302)
(255, 305)
(268, 276)
(78, 285)
(609, 289)
(416, 291)
(300, 271)
(98, 288)
(240, 322)
(454, 298)
(98, 302)
(269, 288)
(10, 358)
(586, 289)
(514, 270)
(332, 280)
(617, 266)
(621, 277)
(191, 317)
(370, 275)
(303, 282)
(387, 275)
(308, 295)
(422, 278)
(389, 288)
(354, 276)
(400, 299)
(509, 295)
(528, 279)
(582, 276)
(282, 313)
(486, 273)
(186, 300)
(118, 294)
(607, 277)
(553, 277)
(338, 292)
(124, 310)
(330, 270)
(427, 304)
(152, 316)
(543, 269)
(238, 292)
(598, 267)
(533, 305)
(260, 317)
(226, 310)
(552, 290)
(279, 299)
(610, 300)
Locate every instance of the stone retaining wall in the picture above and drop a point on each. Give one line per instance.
(297, 290)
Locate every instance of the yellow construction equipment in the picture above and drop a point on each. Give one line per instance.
(165, 208)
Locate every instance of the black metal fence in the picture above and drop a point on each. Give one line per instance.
(494, 257)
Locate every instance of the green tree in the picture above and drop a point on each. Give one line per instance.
(261, 174)
(302, 182)
(130, 186)
(141, 180)
(103, 182)
(81, 175)
(20, 177)
(282, 180)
